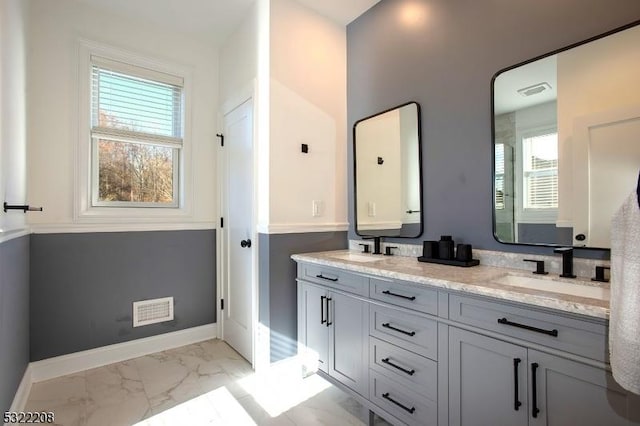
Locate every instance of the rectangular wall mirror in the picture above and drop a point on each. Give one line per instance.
(388, 173)
(566, 139)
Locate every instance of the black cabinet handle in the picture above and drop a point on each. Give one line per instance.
(516, 400)
(408, 333)
(245, 243)
(328, 299)
(322, 320)
(404, 407)
(404, 370)
(398, 295)
(534, 396)
(505, 321)
(326, 278)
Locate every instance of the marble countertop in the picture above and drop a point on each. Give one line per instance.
(480, 280)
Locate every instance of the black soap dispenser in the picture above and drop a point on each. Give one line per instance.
(445, 247)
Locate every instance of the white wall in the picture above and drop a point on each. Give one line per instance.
(307, 105)
(13, 145)
(53, 97)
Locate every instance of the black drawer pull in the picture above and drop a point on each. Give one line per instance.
(505, 321)
(534, 391)
(387, 397)
(408, 333)
(516, 399)
(399, 295)
(404, 370)
(326, 278)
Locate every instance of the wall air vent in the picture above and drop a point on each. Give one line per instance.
(535, 89)
(151, 311)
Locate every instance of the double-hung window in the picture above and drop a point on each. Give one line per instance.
(137, 133)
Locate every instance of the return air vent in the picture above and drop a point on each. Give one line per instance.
(147, 312)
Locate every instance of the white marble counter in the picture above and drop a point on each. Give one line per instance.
(480, 280)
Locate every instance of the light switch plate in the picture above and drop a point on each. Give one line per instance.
(316, 208)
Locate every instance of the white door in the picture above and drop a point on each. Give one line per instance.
(238, 240)
(606, 162)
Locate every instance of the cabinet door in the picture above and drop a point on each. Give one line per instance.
(483, 373)
(572, 393)
(348, 347)
(313, 332)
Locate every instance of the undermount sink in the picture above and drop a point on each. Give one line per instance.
(354, 257)
(575, 289)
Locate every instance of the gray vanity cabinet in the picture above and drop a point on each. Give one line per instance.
(332, 335)
(484, 374)
(487, 380)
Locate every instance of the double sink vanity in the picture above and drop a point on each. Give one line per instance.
(428, 344)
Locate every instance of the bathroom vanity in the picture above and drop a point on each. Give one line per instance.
(428, 344)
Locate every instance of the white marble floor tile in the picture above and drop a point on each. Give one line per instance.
(207, 383)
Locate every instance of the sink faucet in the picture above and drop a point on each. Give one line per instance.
(567, 261)
(376, 243)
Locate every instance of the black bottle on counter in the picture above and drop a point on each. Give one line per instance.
(445, 247)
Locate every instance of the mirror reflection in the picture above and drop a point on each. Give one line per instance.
(387, 153)
(567, 142)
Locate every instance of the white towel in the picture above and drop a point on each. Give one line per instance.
(624, 323)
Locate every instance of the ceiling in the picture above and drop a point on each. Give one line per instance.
(214, 20)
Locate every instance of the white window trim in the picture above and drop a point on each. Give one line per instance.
(530, 215)
(84, 211)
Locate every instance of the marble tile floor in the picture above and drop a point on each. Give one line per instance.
(206, 383)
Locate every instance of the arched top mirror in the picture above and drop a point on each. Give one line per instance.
(388, 173)
(566, 141)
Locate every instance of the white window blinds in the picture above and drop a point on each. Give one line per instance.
(540, 170)
(135, 104)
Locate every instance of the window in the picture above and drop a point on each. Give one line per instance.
(540, 171)
(137, 117)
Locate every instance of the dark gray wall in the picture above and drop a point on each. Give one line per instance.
(14, 317)
(278, 289)
(446, 64)
(83, 286)
(535, 232)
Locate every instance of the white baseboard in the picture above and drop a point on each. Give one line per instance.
(79, 361)
(22, 394)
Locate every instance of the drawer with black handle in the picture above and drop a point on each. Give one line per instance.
(409, 296)
(334, 278)
(571, 334)
(402, 402)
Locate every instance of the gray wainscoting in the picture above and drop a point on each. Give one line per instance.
(445, 61)
(14, 317)
(83, 286)
(278, 289)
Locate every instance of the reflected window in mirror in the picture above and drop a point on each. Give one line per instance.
(566, 141)
(387, 173)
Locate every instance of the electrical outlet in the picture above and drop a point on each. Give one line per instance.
(316, 209)
(371, 206)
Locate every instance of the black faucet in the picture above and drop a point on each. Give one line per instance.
(567, 261)
(376, 244)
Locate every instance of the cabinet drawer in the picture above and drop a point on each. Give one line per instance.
(572, 335)
(402, 402)
(335, 278)
(417, 334)
(421, 299)
(418, 373)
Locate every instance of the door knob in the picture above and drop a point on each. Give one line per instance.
(245, 243)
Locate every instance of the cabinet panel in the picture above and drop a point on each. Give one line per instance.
(406, 405)
(313, 333)
(482, 381)
(576, 336)
(348, 341)
(412, 332)
(334, 278)
(572, 393)
(401, 294)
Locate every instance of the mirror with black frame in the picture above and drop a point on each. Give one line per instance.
(387, 173)
(566, 141)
